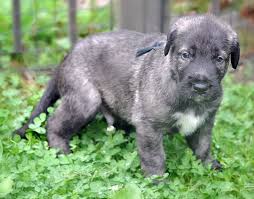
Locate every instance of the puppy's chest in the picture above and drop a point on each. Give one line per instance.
(188, 122)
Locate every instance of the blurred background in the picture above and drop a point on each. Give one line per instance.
(35, 35)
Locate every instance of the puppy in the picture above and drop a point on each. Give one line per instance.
(153, 82)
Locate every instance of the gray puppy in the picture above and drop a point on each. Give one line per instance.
(177, 85)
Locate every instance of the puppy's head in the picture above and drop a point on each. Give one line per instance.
(200, 48)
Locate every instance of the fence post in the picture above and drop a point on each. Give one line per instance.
(111, 20)
(216, 7)
(165, 15)
(72, 21)
(16, 26)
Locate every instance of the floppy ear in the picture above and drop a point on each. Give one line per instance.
(170, 38)
(235, 55)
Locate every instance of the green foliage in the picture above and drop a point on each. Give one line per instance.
(37, 125)
(1, 150)
(183, 7)
(202, 6)
(44, 27)
(106, 165)
(130, 191)
(5, 187)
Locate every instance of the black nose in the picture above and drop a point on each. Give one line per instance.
(200, 87)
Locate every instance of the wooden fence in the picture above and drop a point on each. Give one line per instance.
(139, 15)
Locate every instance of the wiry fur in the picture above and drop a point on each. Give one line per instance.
(152, 92)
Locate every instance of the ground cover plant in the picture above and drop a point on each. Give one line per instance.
(106, 165)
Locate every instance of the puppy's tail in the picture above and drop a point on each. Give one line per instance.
(50, 96)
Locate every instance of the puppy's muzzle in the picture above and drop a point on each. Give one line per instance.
(200, 84)
(200, 87)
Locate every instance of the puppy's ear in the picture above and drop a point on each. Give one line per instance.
(235, 54)
(170, 39)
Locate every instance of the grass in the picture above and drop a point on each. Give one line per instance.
(106, 165)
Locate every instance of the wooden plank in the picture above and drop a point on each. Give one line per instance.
(16, 26)
(72, 21)
(131, 15)
(111, 20)
(143, 15)
(165, 15)
(216, 7)
(152, 18)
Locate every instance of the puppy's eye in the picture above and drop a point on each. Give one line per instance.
(185, 55)
(219, 59)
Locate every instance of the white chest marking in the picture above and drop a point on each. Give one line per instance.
(188, 122)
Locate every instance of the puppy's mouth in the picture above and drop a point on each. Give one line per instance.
(200, 91)
(200, 97)
(199, 94)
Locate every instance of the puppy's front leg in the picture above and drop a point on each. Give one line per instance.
(200, 143)
(150, 148)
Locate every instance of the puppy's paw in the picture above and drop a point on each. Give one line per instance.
(216, 165)
(110, 128)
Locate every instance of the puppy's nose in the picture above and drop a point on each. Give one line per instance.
(200, 87)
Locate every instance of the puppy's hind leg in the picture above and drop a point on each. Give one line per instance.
(78, 107)
(109, 118)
